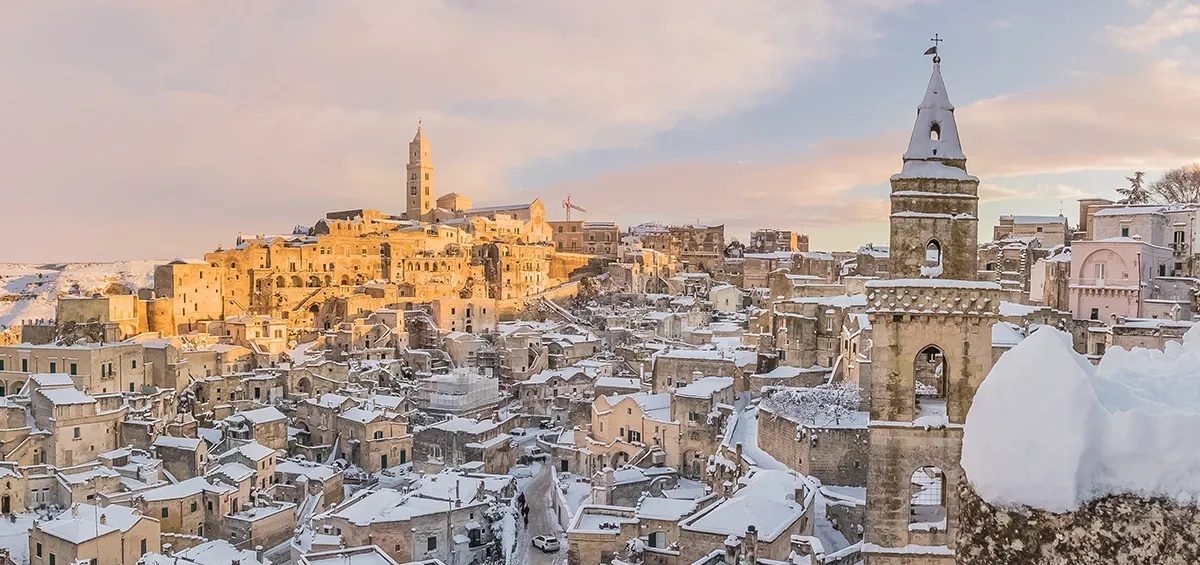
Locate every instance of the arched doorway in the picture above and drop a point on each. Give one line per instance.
(304, 385)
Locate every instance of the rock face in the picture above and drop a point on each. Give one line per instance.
(1114, 529)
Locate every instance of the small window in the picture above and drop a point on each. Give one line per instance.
(193, 507)
(143, 545)
(431, 543)
(1124, 232)
(76, 433)
(164, 512)
(53, 367)
(39, 550)
(74, 369)
(1095, 314)
(133, 364)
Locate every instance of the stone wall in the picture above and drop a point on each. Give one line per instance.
(1115, 529)
(838, 456)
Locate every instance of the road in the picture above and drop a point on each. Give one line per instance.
(542, 521)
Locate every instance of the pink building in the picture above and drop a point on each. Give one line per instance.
(1114, 277)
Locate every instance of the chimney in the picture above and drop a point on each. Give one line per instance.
(731, 549)
(75, 509)
(750, 549)
(103, 520)
(167, 550)
(258, 553)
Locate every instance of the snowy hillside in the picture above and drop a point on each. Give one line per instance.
(27, 291)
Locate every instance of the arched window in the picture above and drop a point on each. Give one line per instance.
(927, 503)
(935, 131)
(933, 259)
(280, 282)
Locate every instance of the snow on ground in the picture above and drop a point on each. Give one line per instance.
(577, 491)
(28, 292)
(1049, 430)
(745, 431)
(14, 536)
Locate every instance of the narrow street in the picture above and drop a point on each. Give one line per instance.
(542, 521)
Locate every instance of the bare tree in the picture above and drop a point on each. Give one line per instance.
(1179, 185)
(1136, 193)
(820, 405)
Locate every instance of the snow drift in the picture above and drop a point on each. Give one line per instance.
(1050, 431)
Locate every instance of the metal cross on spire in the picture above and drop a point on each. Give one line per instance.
(936, 39)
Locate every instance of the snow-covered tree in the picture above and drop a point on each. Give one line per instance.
(820, 405)
(1137, 193)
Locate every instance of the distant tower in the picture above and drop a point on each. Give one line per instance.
(935, 203)
(420, 179)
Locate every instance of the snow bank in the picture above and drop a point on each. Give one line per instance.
(1050, 431)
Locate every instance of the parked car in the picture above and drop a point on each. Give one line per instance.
(549, 544)
(517, 432)
(534, 452)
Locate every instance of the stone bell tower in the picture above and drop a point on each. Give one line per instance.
(935, 203)
(932, 328)
(420, 179)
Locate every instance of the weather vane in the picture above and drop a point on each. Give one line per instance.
(934, 50)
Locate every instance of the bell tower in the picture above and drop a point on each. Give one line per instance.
(935, 203)
(932, 346)
(420, 179)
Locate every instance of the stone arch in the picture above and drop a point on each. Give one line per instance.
(358, 279)
(345, 280)
(297, 282)
(927, 499)
(935, 131)
(304, 385)
(328, 280)
(618, 459)
(15, 387)
(314, 281)
(930, 371)
(280, 282)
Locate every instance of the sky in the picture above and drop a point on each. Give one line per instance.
(153, 130)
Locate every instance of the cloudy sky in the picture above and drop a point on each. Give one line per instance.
(139, 129)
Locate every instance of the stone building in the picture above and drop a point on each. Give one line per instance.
(109, 535)
(932, 341)
(266, 426)
(456, 441)
(832, 451)
(770, 240)
(702, 408)
(95, 368)
(593, 238)
(1049, 231)
(442, 515)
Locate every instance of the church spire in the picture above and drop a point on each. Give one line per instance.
(420, 134)
(935, 134)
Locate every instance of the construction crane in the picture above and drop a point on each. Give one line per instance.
(568, 206)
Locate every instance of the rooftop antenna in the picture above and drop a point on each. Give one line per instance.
(936, 39)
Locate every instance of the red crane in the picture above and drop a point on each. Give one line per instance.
(568, 206)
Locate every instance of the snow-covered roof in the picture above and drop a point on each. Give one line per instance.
(82, 523)
(704, 388)
(186, 443)
(1017, 219)
(66, 396)
(262, 415)
(235, 471)
(654, 508)
(466, 425)
(190, 487)
(764, 501)
(931, 170)
(654, 406)
(52, 379)
(306, 468)
(253, 451)
(935, 111)
(1005, 334)
(618, 382)
(363, 555)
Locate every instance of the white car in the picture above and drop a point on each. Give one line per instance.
(535, 452)
(549, 544)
